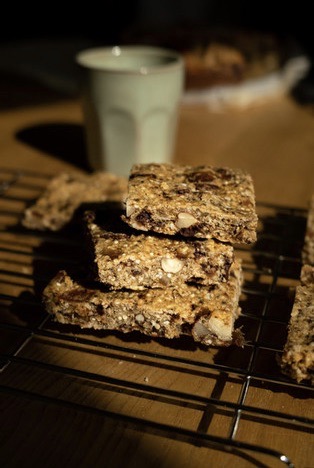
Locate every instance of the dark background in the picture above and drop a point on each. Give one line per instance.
(107, 21)
(38, 41)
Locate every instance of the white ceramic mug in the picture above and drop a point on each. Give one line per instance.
(130, 98)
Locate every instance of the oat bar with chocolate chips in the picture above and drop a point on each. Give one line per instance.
(126, 258)
(298, 355)
(203, 202)
(206, 314)
(308, 247)
(66, 192)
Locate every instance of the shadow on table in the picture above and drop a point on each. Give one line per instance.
(65, 141)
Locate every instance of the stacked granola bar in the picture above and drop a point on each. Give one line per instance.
(166, 267)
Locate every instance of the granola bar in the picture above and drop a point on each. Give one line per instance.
(308, 247)
(126, 258)
(202, 201)
(207, 314)
(66, 192)
(298, 355)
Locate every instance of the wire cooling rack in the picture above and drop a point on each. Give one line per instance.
(222, 399)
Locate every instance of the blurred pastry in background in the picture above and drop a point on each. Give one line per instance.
(213, 65)
(241, 69)
(230, 68)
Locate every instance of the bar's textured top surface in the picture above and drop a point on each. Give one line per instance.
(134, 260)
(193, 201)
(298, 355)
(206, 314)
(66, 192)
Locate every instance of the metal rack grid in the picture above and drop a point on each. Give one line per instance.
(209, 388)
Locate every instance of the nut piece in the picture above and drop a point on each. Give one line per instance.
(171, 265)
(185, 220)
(139, 318)
(129, 209)
(200, 330)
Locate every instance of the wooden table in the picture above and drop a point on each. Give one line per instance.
(83, 399)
